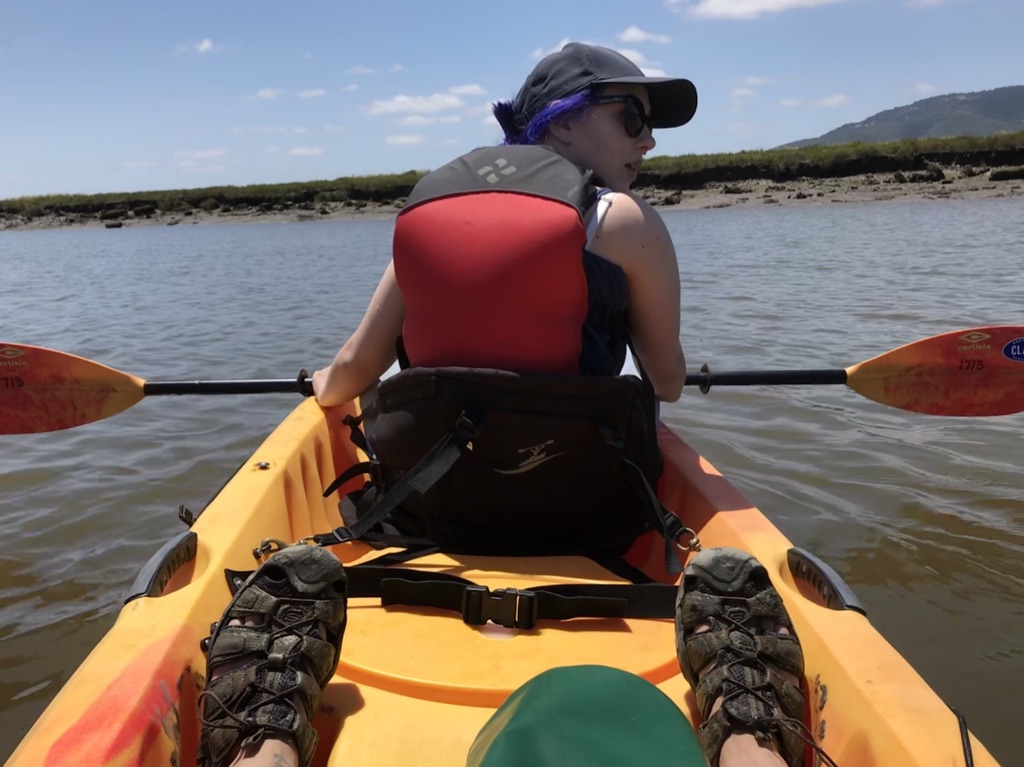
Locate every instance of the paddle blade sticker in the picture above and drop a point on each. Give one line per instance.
(46, 390)
(976, 372)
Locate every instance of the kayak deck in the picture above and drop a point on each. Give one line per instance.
(415, 685)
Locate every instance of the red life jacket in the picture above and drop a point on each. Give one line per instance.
(488, 255)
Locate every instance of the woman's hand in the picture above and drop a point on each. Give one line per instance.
(319, 381)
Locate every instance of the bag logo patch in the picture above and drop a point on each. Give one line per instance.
(536, 455)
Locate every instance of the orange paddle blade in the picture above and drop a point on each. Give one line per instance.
(977, 372)
(46, 390)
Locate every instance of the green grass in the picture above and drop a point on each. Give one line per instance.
(686, 171)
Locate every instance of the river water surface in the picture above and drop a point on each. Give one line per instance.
(923, 516)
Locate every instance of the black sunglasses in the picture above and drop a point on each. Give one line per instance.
(634, 118)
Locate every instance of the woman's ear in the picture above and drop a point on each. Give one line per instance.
(561, 130)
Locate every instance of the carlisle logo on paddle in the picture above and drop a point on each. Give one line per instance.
(8, 357)
(973, 342)
(1014, 350)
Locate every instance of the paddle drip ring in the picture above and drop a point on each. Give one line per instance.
(705, 385)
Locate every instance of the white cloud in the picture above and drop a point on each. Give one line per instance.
(197, 49)
(138, 164)
(194, 167)
(637, 35)
(405, 140)
(539, 53)
(424, 120)
(741, 9)
(397, 68)
(259, 130)
(311, 93)
(415, 104)
(742, 92)
(268, 94)
(924, 88)
(467, 90)
(360, 70)
(335, 128)
(305, 151)
(829, 102)
(649, 67)
(200, 154)
(925, 3)
(752, 80)
(351, 88)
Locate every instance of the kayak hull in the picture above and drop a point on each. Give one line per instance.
(415, 685)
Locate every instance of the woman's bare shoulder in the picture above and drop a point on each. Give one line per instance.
(629, 223)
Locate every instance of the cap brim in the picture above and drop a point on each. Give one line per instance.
(673, 99)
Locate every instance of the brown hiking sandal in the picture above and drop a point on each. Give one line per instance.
(285, 662)
(729, 591)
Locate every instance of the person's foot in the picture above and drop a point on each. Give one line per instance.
(737, 648)
(270, 656)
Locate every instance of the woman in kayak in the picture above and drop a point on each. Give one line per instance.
(278, 643)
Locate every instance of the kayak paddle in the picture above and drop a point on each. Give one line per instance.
(46, 390)
(975, 372)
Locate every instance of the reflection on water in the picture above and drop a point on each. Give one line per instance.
(923, 516)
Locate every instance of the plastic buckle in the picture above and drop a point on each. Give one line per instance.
(511, 608)
(466, 426)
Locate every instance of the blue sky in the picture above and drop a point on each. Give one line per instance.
(106, 96)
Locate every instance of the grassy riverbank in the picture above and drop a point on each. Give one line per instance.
(979, 166)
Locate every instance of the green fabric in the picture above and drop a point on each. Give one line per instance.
(587, 716)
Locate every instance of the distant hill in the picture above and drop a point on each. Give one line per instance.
(984, 113)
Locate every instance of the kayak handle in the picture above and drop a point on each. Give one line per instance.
(828, 584)
(157, 572)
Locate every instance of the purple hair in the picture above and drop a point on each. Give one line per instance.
(538, 126)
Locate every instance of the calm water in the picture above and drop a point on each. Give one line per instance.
(923, 516)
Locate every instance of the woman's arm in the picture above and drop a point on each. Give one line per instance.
(369, 351)
(635, 237)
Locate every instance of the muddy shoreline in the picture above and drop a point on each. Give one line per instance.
(865, 189)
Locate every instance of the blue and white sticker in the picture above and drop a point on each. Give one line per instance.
(1014, 350)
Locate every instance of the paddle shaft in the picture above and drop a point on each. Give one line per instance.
(706, 379)
(972, 372)
(245, 386)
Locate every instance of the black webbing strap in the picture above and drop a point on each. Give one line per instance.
(353, 471)
(512, 608)
(435, 464)
(668, 523)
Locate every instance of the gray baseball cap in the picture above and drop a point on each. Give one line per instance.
(577, 66)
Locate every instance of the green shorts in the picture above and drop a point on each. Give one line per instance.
(587, 716)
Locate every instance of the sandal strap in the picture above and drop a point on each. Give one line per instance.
(278, 668)
(234, 719)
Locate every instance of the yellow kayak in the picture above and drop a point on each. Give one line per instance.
(415, 684)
